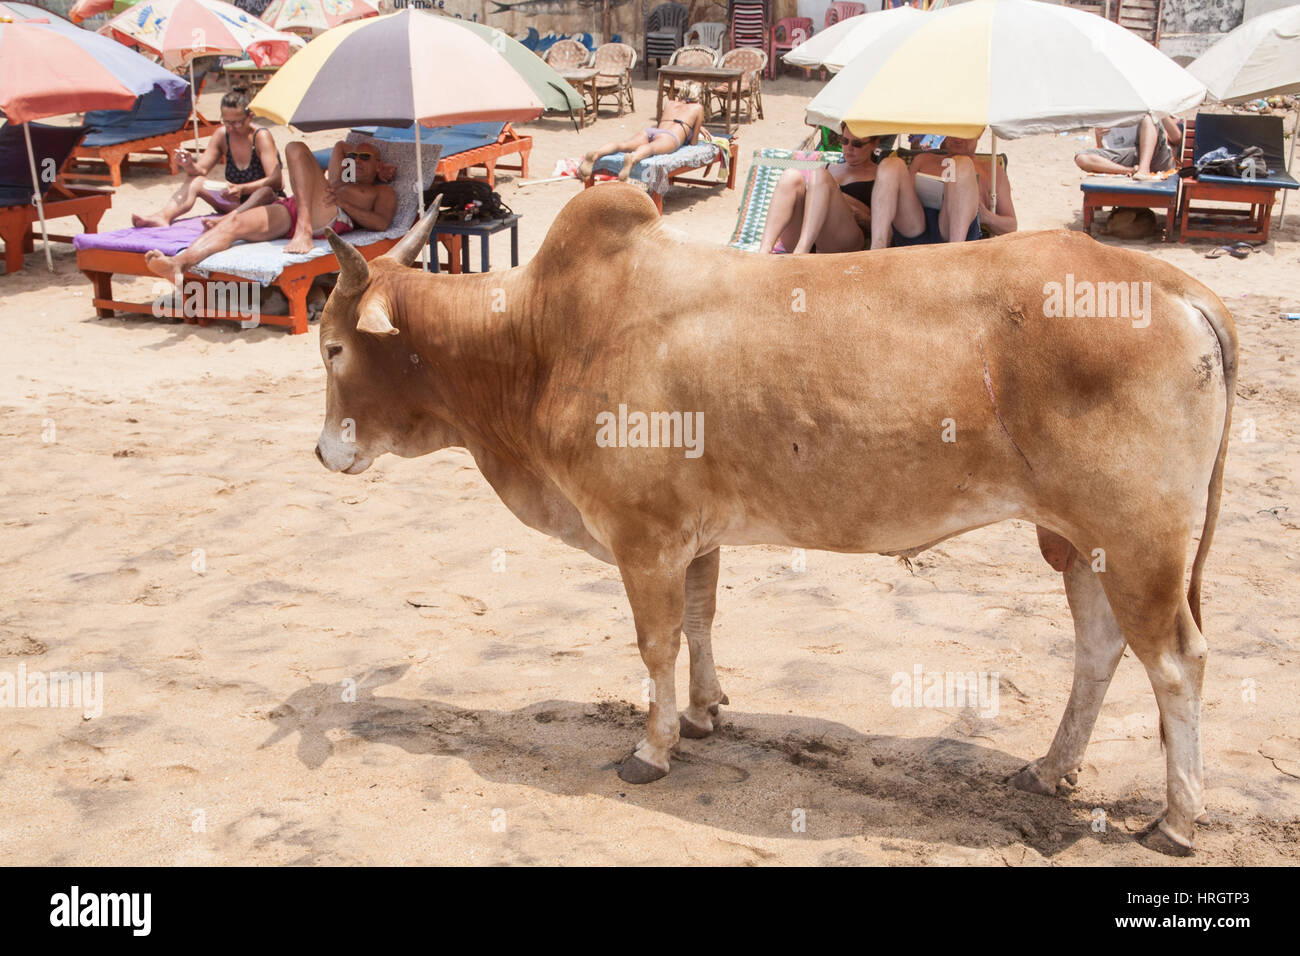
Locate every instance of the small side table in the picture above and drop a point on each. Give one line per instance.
(464, 231)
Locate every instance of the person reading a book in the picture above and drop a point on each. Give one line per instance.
(944, 196)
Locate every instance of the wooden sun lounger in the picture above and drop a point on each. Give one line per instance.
(489, 157)
(158, 149)
(681, 175)
(100, 265)
(18, 224)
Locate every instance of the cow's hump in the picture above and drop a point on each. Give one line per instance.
(597, 223)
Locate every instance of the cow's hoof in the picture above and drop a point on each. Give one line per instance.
(692, 730)
(635, 770)
(1162, 839)
(1029, 780)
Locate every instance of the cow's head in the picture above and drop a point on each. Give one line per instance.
(377, 387)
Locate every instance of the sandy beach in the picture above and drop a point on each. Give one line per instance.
(303, 667)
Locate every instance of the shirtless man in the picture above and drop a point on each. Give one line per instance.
(898, 217)
(679, 125)
(1142, 150)
(319, 199)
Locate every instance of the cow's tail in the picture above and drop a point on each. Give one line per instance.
(1220, 321)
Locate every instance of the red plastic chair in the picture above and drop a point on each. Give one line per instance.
(842, 11)
(787, 34)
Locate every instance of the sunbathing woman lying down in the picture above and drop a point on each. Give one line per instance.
(679, 125)
(348, 196)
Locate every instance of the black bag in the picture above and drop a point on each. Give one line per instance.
(467, 200)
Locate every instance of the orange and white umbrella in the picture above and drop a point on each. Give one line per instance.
(180, 30)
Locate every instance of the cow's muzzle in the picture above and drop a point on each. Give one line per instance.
(340, 456)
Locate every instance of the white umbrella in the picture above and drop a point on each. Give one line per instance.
(1019, 67)
(841, 42)
(1259, 58)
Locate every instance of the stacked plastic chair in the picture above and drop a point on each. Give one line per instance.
(707, 34)
(665, 31)
(788, 33)
(748, 22)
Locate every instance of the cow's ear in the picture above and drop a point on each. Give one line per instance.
(374, 318)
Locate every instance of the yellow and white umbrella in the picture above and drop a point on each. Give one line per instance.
(1019, 67)
(839, 43)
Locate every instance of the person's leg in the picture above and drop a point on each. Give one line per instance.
(661, 144)
(589, 160)
(961, 201)
(307, 183)
(182, 201)
(894, 204)
(1100, 161)
(1154, 155)
(828, 222)
(784, 212)
(262, 196)
(254, 225)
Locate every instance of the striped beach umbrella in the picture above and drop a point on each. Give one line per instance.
(397, 70)
(316, 16)
(840, 42)
(52, 68)
(1019, 67)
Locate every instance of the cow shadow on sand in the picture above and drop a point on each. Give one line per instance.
(753, 776)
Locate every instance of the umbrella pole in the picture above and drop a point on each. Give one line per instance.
(419, 192)
(993, 171)
(40, 203)
(1290, 165)
(194, 106)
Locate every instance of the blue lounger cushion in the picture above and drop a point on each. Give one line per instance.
(1123, 184)
(153, 115)
(1234, 132)
(49, 144)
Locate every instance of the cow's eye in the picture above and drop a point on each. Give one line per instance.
(332, 351)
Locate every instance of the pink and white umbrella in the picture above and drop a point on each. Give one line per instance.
(179, 31)
(316, 16)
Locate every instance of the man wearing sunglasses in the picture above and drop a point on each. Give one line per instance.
(347, 196)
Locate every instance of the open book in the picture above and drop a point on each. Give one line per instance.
(929, 189)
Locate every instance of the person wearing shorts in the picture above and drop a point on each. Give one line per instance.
(1143, 150)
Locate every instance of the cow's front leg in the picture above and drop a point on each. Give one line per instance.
(656, 590)
(1098, 646)
(701, 718)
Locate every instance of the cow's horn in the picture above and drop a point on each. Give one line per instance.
(354, 273)
(411, 244)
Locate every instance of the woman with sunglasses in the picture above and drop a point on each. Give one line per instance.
(826, 209)
(252, 163)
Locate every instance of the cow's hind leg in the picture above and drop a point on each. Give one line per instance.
(701, 718)
(1098, 646)
(1156, 619)
(656, 591)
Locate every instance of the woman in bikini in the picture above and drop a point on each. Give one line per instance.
(827, 209)
(679, 125)
(252, 163)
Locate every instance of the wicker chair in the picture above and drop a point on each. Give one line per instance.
(566, 55)
(753, 62)
(665, 31)
(787, 34)
(695, 56)
(707, 34)
(614, 63)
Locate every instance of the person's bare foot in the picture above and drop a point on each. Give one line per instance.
(588, 163)
(162, 265)
(151, 222)
(1142, 177)
(626, 171)
(299, 244)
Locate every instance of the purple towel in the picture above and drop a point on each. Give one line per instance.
(168, 240)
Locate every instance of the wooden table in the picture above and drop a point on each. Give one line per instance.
(584, 81)
(670, 76)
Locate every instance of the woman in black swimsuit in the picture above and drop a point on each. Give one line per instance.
(826, 209)
(251, 159)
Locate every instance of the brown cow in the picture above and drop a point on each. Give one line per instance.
(866, 402)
